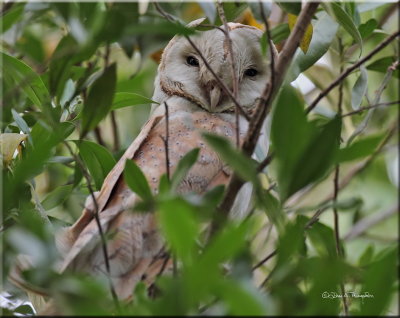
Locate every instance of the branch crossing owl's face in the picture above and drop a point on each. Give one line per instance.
(183, 73)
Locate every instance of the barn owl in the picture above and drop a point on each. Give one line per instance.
(196, 103)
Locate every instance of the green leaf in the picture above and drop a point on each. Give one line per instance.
(97, 159)
(32, 46)
(179, 225)
(160, 28)
(123, 99)
(290, 141)
(184, 166)
(317, 157)
(324, 32)
(366, 256)
(280, 33)
(379, 281)
(273, 209)
(323, 239)
(290, 7)
(347, 23)
(228, 243)
(367, 28)
(241, 299)
(359, 149)
(165, 185)
(209, 10)
(24, 310)
(359, 88)
(242, 165)
(99, 100)
(291, 240)
(11, 16)
(21, 123)
(60, 63)
(57, 197)
(26, 79)
(136, 180)
(381, 65)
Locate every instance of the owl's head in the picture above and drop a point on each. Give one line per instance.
(182, 72)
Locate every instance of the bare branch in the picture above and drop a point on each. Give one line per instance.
(351, 69)
(366, 223)
(339, 251)
(356, 170)
(270, 44)
(99, 138)
(235, 83)
(98, 223)
(265, 162)
(166, 141)
(264, 105)
(114, 127)
(362, 109)
(264, 260)
(361, 127)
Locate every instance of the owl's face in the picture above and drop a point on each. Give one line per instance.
(183, 73)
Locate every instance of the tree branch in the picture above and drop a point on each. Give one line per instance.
(361, 127)
(264, 260)
(366, 223)
(362, 109)
(339, 251)
(235, 83)
(114, 127)
(263, 107)
(351, 69)
(350, 175)
(98, 223)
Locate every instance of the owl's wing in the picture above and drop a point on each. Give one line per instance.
(72, 240)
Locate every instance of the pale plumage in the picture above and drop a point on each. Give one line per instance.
(196, 103)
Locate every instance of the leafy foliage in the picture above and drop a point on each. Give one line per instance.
(71, 72)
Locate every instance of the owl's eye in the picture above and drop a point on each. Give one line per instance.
(251, 72)
(192, 61)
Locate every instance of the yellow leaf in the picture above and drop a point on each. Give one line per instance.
(248, 18)
(9, 142)
(305, 41)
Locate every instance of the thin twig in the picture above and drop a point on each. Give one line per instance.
(362, 109)
(107, 55)
(270, 44)
(366, 223)
(99, 138)
(166, 141)
(226, 90)
(350, 175)
(363, 125)
(388, 13)
(228, 46)
(348, 71)
(265, 162)
(264, 260)
(6, 7)
(263, 107)
(114, 127)
(167, 169)
(336, 186)
(98, 223)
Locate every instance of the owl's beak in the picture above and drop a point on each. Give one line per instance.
(215, 96)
